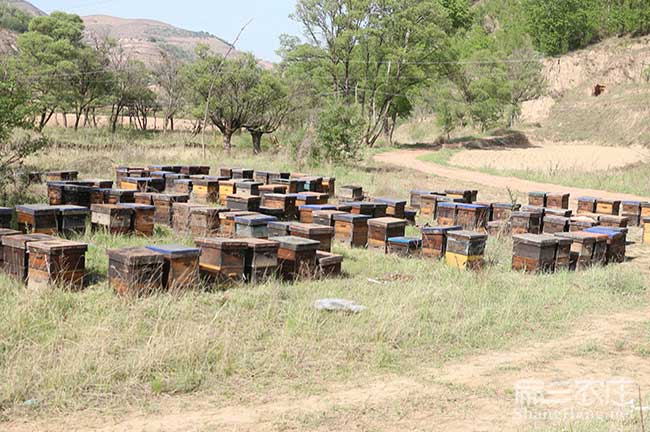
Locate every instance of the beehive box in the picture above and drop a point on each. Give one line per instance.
(350, 193)
(645, 209)
(57, 262)
(320, 233)
(466, 196)
(275, 176)
(429, 206)
(534, 252)
(325, 217)
(114, 218)
(143, 184)
(499, 228)
(329, 264)
(434, 240)
(287, 203)
(381, 229)
(135, 271)
(313, 184)
(16, 253)
(261, 177)
(311, 198)
(465, 250)
(293, 185)
(253, 226)
(526, 222)
(558, 200)
(537, 199)
(599, 256)
(225, 172)
(613, 221)
(307, 212)
(472, 217)
(180, 268)
(272, 189)
(142, 218)
(164, 206)
(351, 229)
(227, 225)
(261, 259)
(55, 192)
(249, 188)
(563, 254)
(195, 170)
(416, 197)
(182, 216)
(222, 259)
(205, 191)
(204, 221)
(363, 208)
(582, 249)
(243, 203)
(329, 186)
(5, 232)
(227, 188)
(503, 211)
(61, 175)
(343, 207)
(71, 219)
(404, 246)
(586, 205)
(566, 213)
(164, 168)
(616, 242)
(276, 213)
(296, 257)
(489, 207)
(394, 207)
(98, 196)
(410, 215)
(170, 181)
(447, 213)
(646, 230)
(279, 229)
(581, 223)
(183, 186)
(534, 209)
(555, 224)
(37, 218)
(608, 207)
(242, 173)
(145, 198)
(632, 211)
(6, 215)
(120, 196)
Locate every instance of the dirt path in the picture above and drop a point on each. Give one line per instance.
(475, 394)
(409, 159)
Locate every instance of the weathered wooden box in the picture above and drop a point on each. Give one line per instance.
(293, 185)
(195, 170)
(558, 200)
(5, 232)
(145, 198)
(329, 264)
(608, 207)
(142, 218)
(243, 202)
(6, 216)
(586, 205)
(329, 186)
(394, 207)
(447, 213)
(225, 172)
(526, 222)
(114, 218)
(429, 205)
(320, 233)
(555, 224)
(499, 228)
(311, 198)
(616, 242)
(307, 211)
(205, 191)
(227, 188)
(503, 211)
(249, 188)
(472, 217)
(351, 229)
(466, 196)
(582, 249)
(646, 230)
(253, 226)
(227, 224)
(135, 271)
(416, 197)
(325, 217)
(57, 262)
(434, 240)
(279, 229)
(261, 177)
(37, 218)
(272, 189)
(537, 199)
(180, 268)
(581, 223)
(296, 257)
(350, 193)
(465, 249)
(381, 229)
(184, 186)
(164, 204)
(143, 184)
(563, 254)
(599, 256)
(632, 211)
(242, 173)
(404, 246)
(534, 252)
(71, 219)
(182, 216)
(61, 175)
(171, 179)
(55, 192)
(287, 203)
(222, 259)
(120, 196)
(16, 253)
(613, 221)
(363, 208)
(204, 221)
(261, 260)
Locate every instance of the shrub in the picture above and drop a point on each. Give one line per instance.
(339, 132)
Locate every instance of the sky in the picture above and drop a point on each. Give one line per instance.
(223, 18)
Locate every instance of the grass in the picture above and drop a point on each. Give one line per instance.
(67, 351)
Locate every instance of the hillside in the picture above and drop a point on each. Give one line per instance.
(24, 6)
(144, 39)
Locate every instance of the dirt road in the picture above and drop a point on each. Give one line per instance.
(409, 159)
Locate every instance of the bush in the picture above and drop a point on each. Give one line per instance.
(339, 132)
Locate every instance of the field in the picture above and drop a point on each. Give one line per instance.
(436, 346)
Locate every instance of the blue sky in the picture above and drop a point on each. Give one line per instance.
(223, 18)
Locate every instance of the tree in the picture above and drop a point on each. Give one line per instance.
(14, 19)
(271, 106)
(167, 75)
(339, 131)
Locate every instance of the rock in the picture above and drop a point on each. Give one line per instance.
(338, 305)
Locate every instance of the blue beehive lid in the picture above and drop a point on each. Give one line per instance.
(175, 250)
(441, 229)
(610, 231)
(636, 203)
(349, 217)
(317, 207)
(411, 241)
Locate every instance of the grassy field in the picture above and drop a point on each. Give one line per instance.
(64, 351)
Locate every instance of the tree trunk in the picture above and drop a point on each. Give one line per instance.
(171, 123)
(65, 119)
(77, 120)
(227, 141)
(257, 142)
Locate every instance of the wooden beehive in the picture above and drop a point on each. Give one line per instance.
(275, 176)
(616, 242)
(381, 229)
(180, 268)
(261, 177)
(329, 264)
(145, 198)
(253, 226)
(182, 216)
(71, 219)
(279, 229)
(410, 215)
(472, 217)
(557, 200)
(183, 186)
(249, 188)
(465, 249)
(394, 208)
(632, 211)
(144, 184)
(503, 211)
(404, 246)
(566, 213)
(489, 208)
(534, 209)
(581, 223)
(195, 170)
(171, 179)
(205, 191)
(329, 186)
(226, 189)
(272, 189)
(135, 271)
(296, 257)
(287, 203)
(276, 213)
(600, 248)
(37, 218)
(98, 196)
(447, 213)
(61, 175)
(6, 216)
(586, 205)
(142, 218)
(307, 212)
(537, 199)
(313, 184)
(227, 225)
(163, 168)
(582, 249)
(222, 259)
(534, 252)
(204, 221)
(57, 262)
(55, 192)
(608, 207)
(16, 253)
(362, 208)
(351, 229)
(350, 193)
(645, 222)
(113, 218)
(311, 198)
(320, 233)
(563, 254)
(465, 196)
(120, 196)
(242, 173)
(645, 209)
(293, 185)
(225, 172)
(261, 259)
(243, 202)
(5, 232)
(434, 240)
(429, 206)
(613, 221)
(164, 204)
(526, 222)
(555, 224)
(325, 217)
(499, 228)
(416, 197)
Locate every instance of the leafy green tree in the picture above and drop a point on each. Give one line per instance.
(14, 19)
(339, 131)
(168, 78)
(271, 104)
